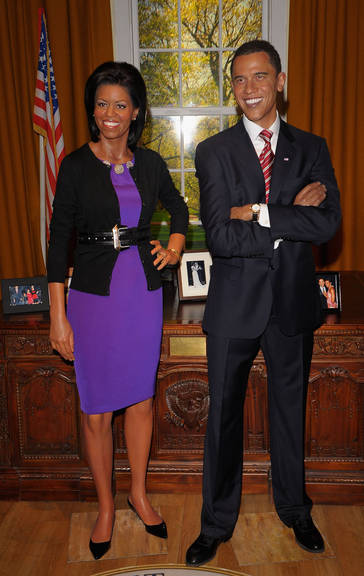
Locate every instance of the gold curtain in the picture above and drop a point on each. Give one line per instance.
(80, 37)
(325, 96)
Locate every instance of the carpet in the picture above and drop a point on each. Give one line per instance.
(129, 538)
(261, 538)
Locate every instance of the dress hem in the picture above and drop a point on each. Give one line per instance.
(104, 410)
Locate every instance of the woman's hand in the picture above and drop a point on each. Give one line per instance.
(61, 333)
(61, 338)
(164, 255)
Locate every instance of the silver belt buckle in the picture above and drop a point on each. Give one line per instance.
(115, 235)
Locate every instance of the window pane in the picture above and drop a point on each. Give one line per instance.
(230, 121)
(199, 23)
(176, 177)
(196, 237)
(160, 72)
(195, 129)
(158, 24)
(159, 225)
(200, 78)
(162, 134)
(192, 195)
(227, 93)
(241, 21)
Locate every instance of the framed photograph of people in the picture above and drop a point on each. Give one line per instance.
(21, 295)
(328, 284)
(194, 275)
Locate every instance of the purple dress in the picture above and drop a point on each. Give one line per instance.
(118, 337)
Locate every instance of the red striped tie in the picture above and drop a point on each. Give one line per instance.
(266, 160)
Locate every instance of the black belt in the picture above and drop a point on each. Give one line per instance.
(120, 237)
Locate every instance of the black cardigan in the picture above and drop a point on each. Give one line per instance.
(86, 202)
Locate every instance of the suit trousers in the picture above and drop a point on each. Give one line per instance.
(288, 360)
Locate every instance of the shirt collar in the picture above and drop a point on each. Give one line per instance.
(254, 130)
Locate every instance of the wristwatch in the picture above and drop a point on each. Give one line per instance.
(256, 211)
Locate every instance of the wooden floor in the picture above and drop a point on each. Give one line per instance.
(35, 539)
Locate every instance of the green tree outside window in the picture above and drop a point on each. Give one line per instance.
(185, 49)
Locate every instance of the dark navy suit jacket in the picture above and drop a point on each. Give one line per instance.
(248, 276)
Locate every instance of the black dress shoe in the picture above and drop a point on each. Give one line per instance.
(202, 550)
(98, 549)
(307, 535)
(159, 530)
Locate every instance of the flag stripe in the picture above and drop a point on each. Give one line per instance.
(46, 116)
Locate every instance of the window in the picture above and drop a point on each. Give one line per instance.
(183, 49)
(186, 68)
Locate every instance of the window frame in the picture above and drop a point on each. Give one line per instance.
(126, 48)
(124, 15)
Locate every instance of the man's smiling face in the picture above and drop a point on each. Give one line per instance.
(255, 84)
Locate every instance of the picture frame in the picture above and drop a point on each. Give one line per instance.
(194, 275)
(22, 295)
(328, 284)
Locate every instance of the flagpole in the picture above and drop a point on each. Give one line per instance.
(47, 123)
(43, 229)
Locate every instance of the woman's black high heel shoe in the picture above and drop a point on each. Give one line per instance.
(98, 549)
(159, 530)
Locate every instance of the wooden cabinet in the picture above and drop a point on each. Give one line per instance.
(41, 454)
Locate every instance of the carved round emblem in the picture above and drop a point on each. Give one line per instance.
(188, 403)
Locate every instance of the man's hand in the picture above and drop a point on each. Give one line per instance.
(241, 213)
(311, 195)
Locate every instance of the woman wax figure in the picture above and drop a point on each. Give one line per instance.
(106, 194)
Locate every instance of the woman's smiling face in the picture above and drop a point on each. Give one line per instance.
(114, 111)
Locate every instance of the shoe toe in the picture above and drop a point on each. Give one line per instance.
(202, 550)
(159, 530)
(308, 536)
(99, 549)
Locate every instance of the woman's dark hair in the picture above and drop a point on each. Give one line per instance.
(258, 46)
(127, 76)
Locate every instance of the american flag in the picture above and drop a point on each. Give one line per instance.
(46, 117)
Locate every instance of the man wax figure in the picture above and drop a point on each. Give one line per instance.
(265, 199)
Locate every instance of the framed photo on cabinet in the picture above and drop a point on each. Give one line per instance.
(21, 295)
(328, 284)
(194, 275)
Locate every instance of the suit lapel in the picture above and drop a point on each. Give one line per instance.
(249, 166)
(283, 159)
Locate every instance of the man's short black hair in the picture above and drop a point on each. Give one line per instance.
(258, 46)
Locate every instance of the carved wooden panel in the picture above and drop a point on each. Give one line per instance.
(181, 411)
(335, 414)
(28, 345)
(118, 435)
(5, 447)
(349, 344)
(45, 411)
(256, 429)
(40, 452)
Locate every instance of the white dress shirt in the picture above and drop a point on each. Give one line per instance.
(254, 130)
